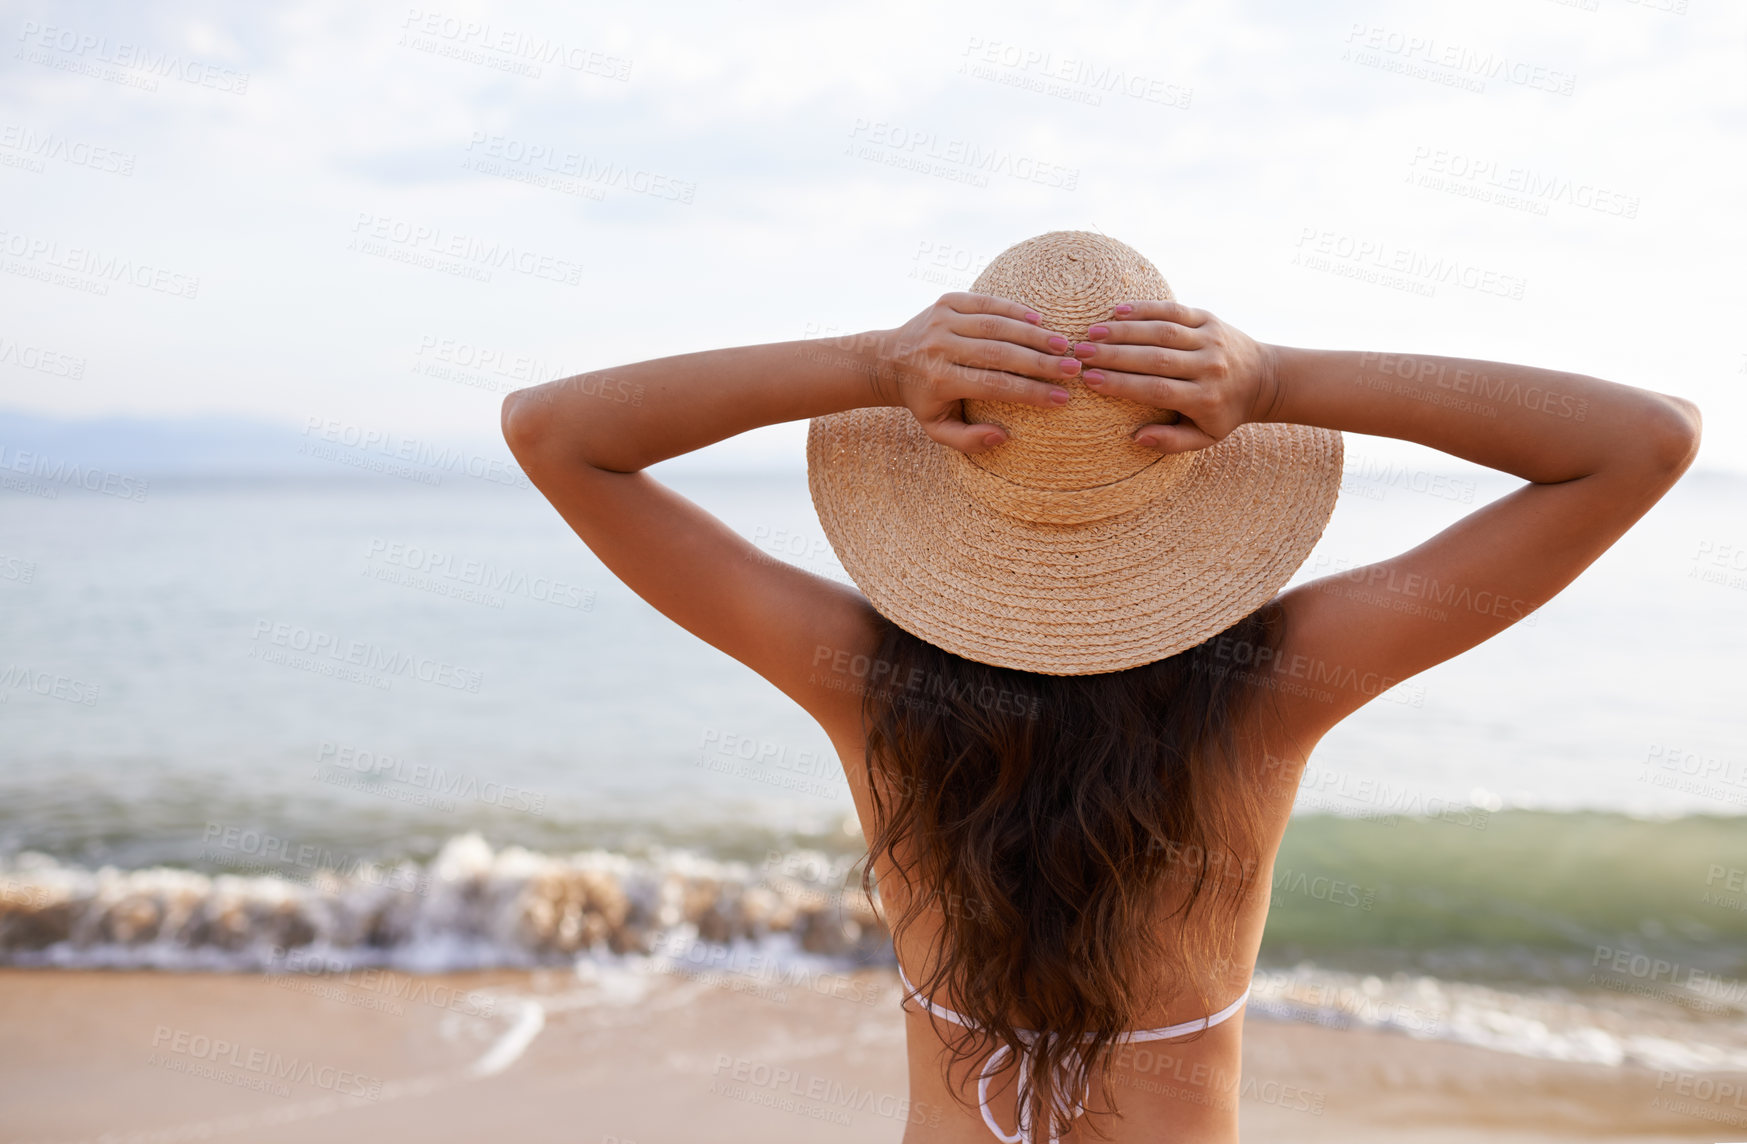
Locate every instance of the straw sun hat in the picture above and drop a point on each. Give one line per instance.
(1068, 549)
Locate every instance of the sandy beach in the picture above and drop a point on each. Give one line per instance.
(130, 1058)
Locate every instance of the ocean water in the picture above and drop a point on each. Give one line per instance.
(310, 722)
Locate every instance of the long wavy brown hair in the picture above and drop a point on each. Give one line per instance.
(1043, 819)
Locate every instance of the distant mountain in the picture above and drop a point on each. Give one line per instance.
(152, 445)
(213, 445)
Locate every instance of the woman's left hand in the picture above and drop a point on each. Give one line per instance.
(1212, 375)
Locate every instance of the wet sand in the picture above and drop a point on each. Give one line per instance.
(131, 1058)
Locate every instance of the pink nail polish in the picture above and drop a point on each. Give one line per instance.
(1094, 377)
(1058, 344)
(1085, 350)
(1098, 332)
(1034, 319)
(1060, 396)
(1124, 308)
(1069, 365)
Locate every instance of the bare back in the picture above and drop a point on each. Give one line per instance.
(1587, 479)
(1192, 1082)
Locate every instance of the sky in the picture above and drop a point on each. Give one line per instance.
(387, 216)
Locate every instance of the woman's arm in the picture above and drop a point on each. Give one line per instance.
(629, 417)
(1543, 425)
(584, 440)
(1596, 455)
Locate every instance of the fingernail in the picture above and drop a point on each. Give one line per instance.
(1098, 332)
(1032, 318)
(1058, 344)
(1069, 365)
(1060, 396)
(1140, 440)
(1094, 377)
(1124, 308)
(991, 438)
(1085, 350)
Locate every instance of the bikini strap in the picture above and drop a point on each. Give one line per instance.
(1022, 1130)
(1195, 1026)
(940, 1011)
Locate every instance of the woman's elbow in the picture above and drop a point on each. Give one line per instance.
(1672, 434)
(523, 421)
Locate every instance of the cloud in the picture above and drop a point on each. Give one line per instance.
(722, 174)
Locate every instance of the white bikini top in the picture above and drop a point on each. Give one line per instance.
(1022, 1133)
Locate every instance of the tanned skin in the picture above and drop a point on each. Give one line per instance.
(1595, 456)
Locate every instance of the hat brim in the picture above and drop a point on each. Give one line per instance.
(1068, 599)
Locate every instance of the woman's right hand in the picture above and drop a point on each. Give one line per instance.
(970, 346)
(1209, 373)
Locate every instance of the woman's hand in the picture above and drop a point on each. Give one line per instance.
(1213, 376)
(970, 346)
